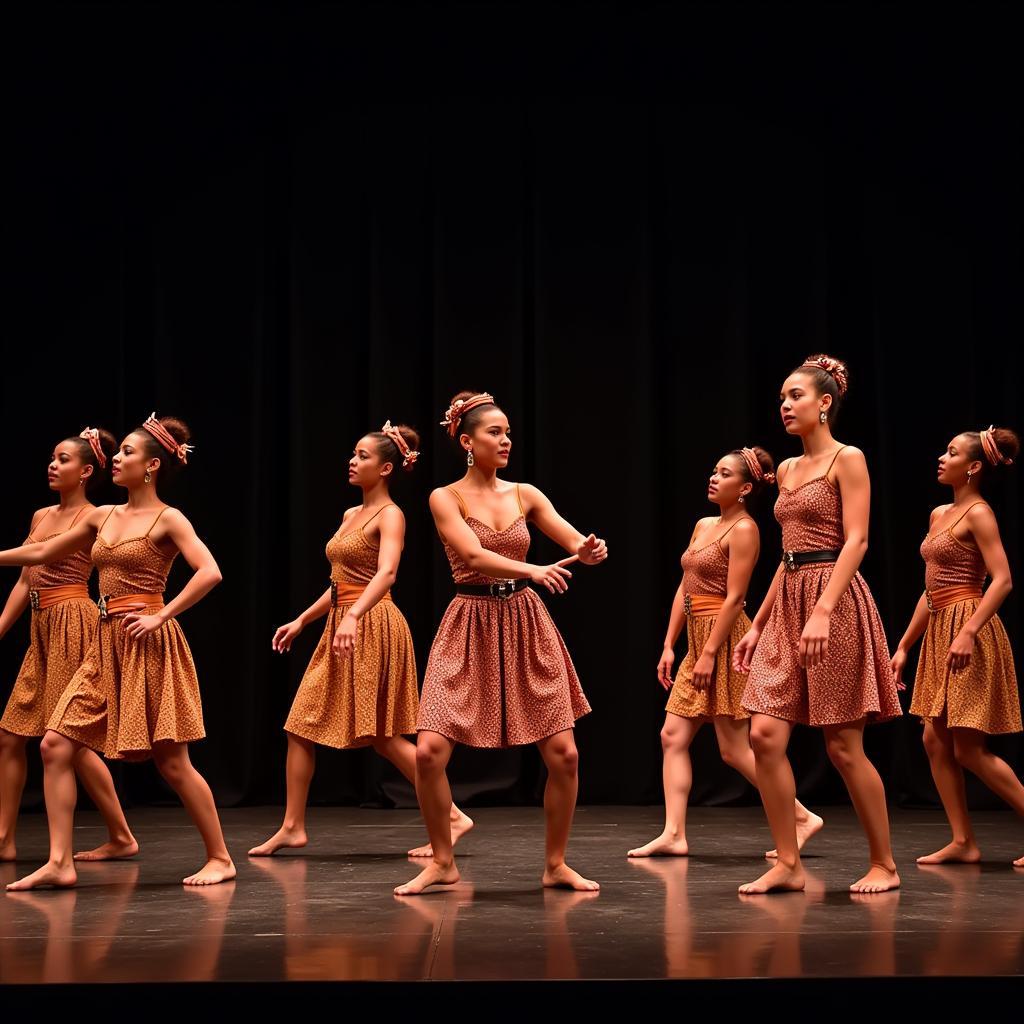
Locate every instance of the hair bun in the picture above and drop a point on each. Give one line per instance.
(835, 368)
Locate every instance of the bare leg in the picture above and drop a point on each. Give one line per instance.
(769, 738)
(95, 777)
(562, 760)
(734, 746)
(433, 752)
(971, 751)
(13, 771)
(845, 745)
(298, 773)
(949, 781)
(173, 763)
(677, 778)
(61, 794)
(402, 754)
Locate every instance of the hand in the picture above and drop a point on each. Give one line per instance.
(702, 671)
(668, 657)
(555, 577)
(138, 626)
(345, 635)
(592, 551)
(897, 663)
(960, 651)
(813, 647)
(743, 652)
(285, 635)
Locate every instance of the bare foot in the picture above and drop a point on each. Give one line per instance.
(212, 872)
(8, 851)
(460, 826)
(666, 845)
(49, 875)
(776, 879)
(111, 851)
(432, 874)
(954, 853)
(283, 838)
(811, 825)
(564, 877)
(1019, 862)
(878, 879)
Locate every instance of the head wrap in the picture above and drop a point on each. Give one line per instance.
(458, 409)
(991, 449)
(757, 472)
(163, 435)
(408, 456)
(833, 368)
(92, 435)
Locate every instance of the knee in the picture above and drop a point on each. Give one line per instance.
(56, 750)
(765, 743)
(10, 743)
(563, 759)
(730, 755)
(968, 755)
(173, 768)
(933, 746)
(429, 758)
(841, 754)
(671, 737)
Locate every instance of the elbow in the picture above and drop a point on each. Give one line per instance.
(389, 576)
(215, 576)
(472, 559)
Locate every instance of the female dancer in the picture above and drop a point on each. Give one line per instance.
(498, 674)
(816, 650)
(360, 686)
(135, 695)
(62, 628)
(717, 567)
(966, 686)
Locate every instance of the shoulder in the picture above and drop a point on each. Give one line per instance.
(392, 514)
(850, 455)
(702, 523)
(40, 513)
(349, 513)
(99, 513)
(746, 528)
(938, 511)
(529, 492)
(171, 517)
(980, 515)
(442, 498)
(784, 467)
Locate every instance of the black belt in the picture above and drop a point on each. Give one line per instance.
(793, 559)
(500, 588)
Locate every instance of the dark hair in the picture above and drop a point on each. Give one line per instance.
(390, 452)
(108, 445)
(471, 420)
(767, 464)
(1006, 441)
(827, 382)
(170, 464)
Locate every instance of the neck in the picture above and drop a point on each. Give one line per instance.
(966, 492)
(376, 495)
(818, 441)
(727, 513)
(72, 499)
(482, 477)
(143, 496)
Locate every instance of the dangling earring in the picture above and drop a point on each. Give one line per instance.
(822, 417)
(148, 477)
(741, 499)
(469, 457)
(970, 473)
(81, 481)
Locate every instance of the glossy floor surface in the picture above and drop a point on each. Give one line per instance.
(327, 913)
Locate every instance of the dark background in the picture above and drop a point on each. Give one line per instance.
(627, 221)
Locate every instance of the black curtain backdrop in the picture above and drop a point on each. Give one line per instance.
(627, 221)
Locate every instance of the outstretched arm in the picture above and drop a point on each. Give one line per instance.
(78, 538)
(589, 549)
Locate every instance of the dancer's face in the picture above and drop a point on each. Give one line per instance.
(490, 442)
(801, 405)
(728, 482)
(954, 463)
(67, 468)
(366, 467)
(130, 463)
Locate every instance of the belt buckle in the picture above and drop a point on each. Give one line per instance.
(687, 604)
(33, 599)
(788, 560)
(334, 594)
(505, 589)
(928, 600)
(102, 605)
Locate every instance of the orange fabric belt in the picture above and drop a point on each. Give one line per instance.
(703, 604)
(124, 603)
(46, 597)
(945, 596)
(349, 593)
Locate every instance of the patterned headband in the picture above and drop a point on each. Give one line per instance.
(163, 435)
(833, 368)
(92, 435)
(455, 412)
(757, 473)
(991, 449)
(408, 457)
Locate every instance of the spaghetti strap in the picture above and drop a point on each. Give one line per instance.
(42, 517)
(832, 463)
(75, 520)
(377, 513)
(718, 540)
(519, 499)
(966, 510)
(157, 520)
(458, 498)
(99, 532)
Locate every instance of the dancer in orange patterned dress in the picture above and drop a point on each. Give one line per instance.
(360, 686)
(62, 628)
(966, 685)
(136, 694)
(499, 674)
(816, 650)
(717, 566)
